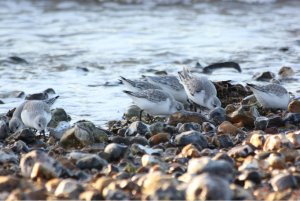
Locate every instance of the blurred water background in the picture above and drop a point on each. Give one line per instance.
(80, 48)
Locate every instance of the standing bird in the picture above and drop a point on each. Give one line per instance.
(271, 95)
(32, 113)
(200, 90)
(136, 86)
(170, 84)
(155, 102)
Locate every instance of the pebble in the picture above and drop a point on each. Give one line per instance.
(159, 138)
(208, 187)
(220, 168)
(186, 117)
(189, 127)
(228, 128)
(217, 115)
(137, 127)
(294, 106)
(115, 151)
(91, 161)
(58, 115)
(68, 188)
(264, 76)
(4, 130)
(286, 71)
(191, 137)
(261, 123)
(283, 181)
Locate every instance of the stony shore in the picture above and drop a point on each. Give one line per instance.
(242, 152)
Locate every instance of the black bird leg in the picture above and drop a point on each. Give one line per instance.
(141, 112)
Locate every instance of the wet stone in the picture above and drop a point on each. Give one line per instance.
(294, 106)
(132, 111)
(29, 160)
(261, 123)
(283, 181)
(137, 127)
(8, 156)
(4, 130)
(241, 151)
(159, 138)
(217, 115)
(58, 115)
(139, 140)
(208, 187)
(292, 118)
(264, 76)
(275, 121)
(228, 128)
(191, 137)
(244, 116)
(91, 161)
(12, 94)
(186, 117)
(257, 140)
(286, 71)
(90, 195)
(26, 135)
(189, 127)
(8, 183)
(220, 168)
(68, 188)
(20, 147)
(119, 140)
(223, 141)
(41, 170)
(115, 151)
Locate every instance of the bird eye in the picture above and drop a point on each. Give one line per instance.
(40, 125)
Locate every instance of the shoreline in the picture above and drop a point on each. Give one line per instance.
(174, 158)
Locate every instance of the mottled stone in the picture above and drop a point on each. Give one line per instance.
(294, 106)
(220, 168)
(186, 117)
(191, 137)
(137, 127)
(208, 187)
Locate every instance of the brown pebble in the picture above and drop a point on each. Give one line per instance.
(294, 106)
(228, 128)
(159, 138)
(8, 183)
(286, 71)
(190, 151)
(294, 139)
(186, 117)
(257, 139)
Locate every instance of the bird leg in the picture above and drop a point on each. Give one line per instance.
(140, 117)
(195, 107)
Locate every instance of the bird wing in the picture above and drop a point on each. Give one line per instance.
(150, 94)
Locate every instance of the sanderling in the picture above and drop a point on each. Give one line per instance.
(137, 85)
(170, 84)
(199, 89)
(32, 113)
(155, 102)
(271, 95)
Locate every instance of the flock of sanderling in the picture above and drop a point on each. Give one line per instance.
(157, 95)
(164, 95)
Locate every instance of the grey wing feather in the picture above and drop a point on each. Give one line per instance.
(152, 95)
(168, 80)
(36, 106)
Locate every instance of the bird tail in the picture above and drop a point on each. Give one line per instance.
(184, 74)
(51, 101)
(126, 81)
(128, 92)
